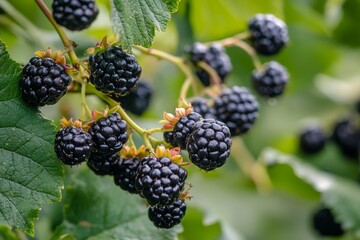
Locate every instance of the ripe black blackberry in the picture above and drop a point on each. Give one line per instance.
(138, 100)
(347, 137)
(209, 144)
(75, 15)
(169, 137)
(269, 34)
(109, 134)
(325, 223)
(272, 81)
(237, 108)
(72, 145)
(215, 56)
(167, 216)
(183, 128)
(312, 140)
(43, 81)
(159, 180)
(125, 174)
(103, 164)
(200, 106)
(114, 71)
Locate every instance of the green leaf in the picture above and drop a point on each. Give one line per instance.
(135, 21)
(342, 195)
(95, 208)
(30, 174)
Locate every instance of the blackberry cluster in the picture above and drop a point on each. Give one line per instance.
(75, 15)
(325, 223)
(138, 99)
(215, 56)
(237, 108)
(72, 145)
(109, 134)
(201, 107)
(169, 137)
(159, 180)
(125, 174)
(209, 144)
(312, 140)
(43, 82)
(347, 137)
(268, 34)
(272, 81)
(167, 216)
(103, 164)
(183, 128)
(114, 71)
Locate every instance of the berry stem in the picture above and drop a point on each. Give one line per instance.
(178, 61)
(154, 130)
(255, 170)
(231, 41)
(68, 44)
(214, 77)
(249, 50)
(84, 107)
(184, 90)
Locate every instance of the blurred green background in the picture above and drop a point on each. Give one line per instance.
(323, 59)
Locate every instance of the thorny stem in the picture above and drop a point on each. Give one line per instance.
(69, 45)
(178, 61)
(252, 168)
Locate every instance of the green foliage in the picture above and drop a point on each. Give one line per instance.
(95, 208)
(342, 195)
(136, 21)
(30, 174)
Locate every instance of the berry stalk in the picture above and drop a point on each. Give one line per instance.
(69, 44)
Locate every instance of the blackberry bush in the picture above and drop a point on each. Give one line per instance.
(325, 223)
(75, 15)
(125, 174)
(201, 107)
(114, 71)
(237, 108)
(271, 81)
(159, 180)
(215, 56)
(209, 144)
(72, 145)
(109, 134)
(43, 81)
(312, 140)
(103, 164)
(167, 216)
(268, 34)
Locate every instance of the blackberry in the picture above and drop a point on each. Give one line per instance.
(159, 180)
(347, 138)
(209, 144)
(75, 15)
(125, 173)
(109, 134)
(102, 164)
(138, 100)
(312, 140)
(325, 223)
(183, 128)
(72, 145)
(272, 80)
(215, 56)
(169, 137)
(43, 81)
(237, 108)
(200, 106)
(268, 34)
(167, 216)
(114, 71)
